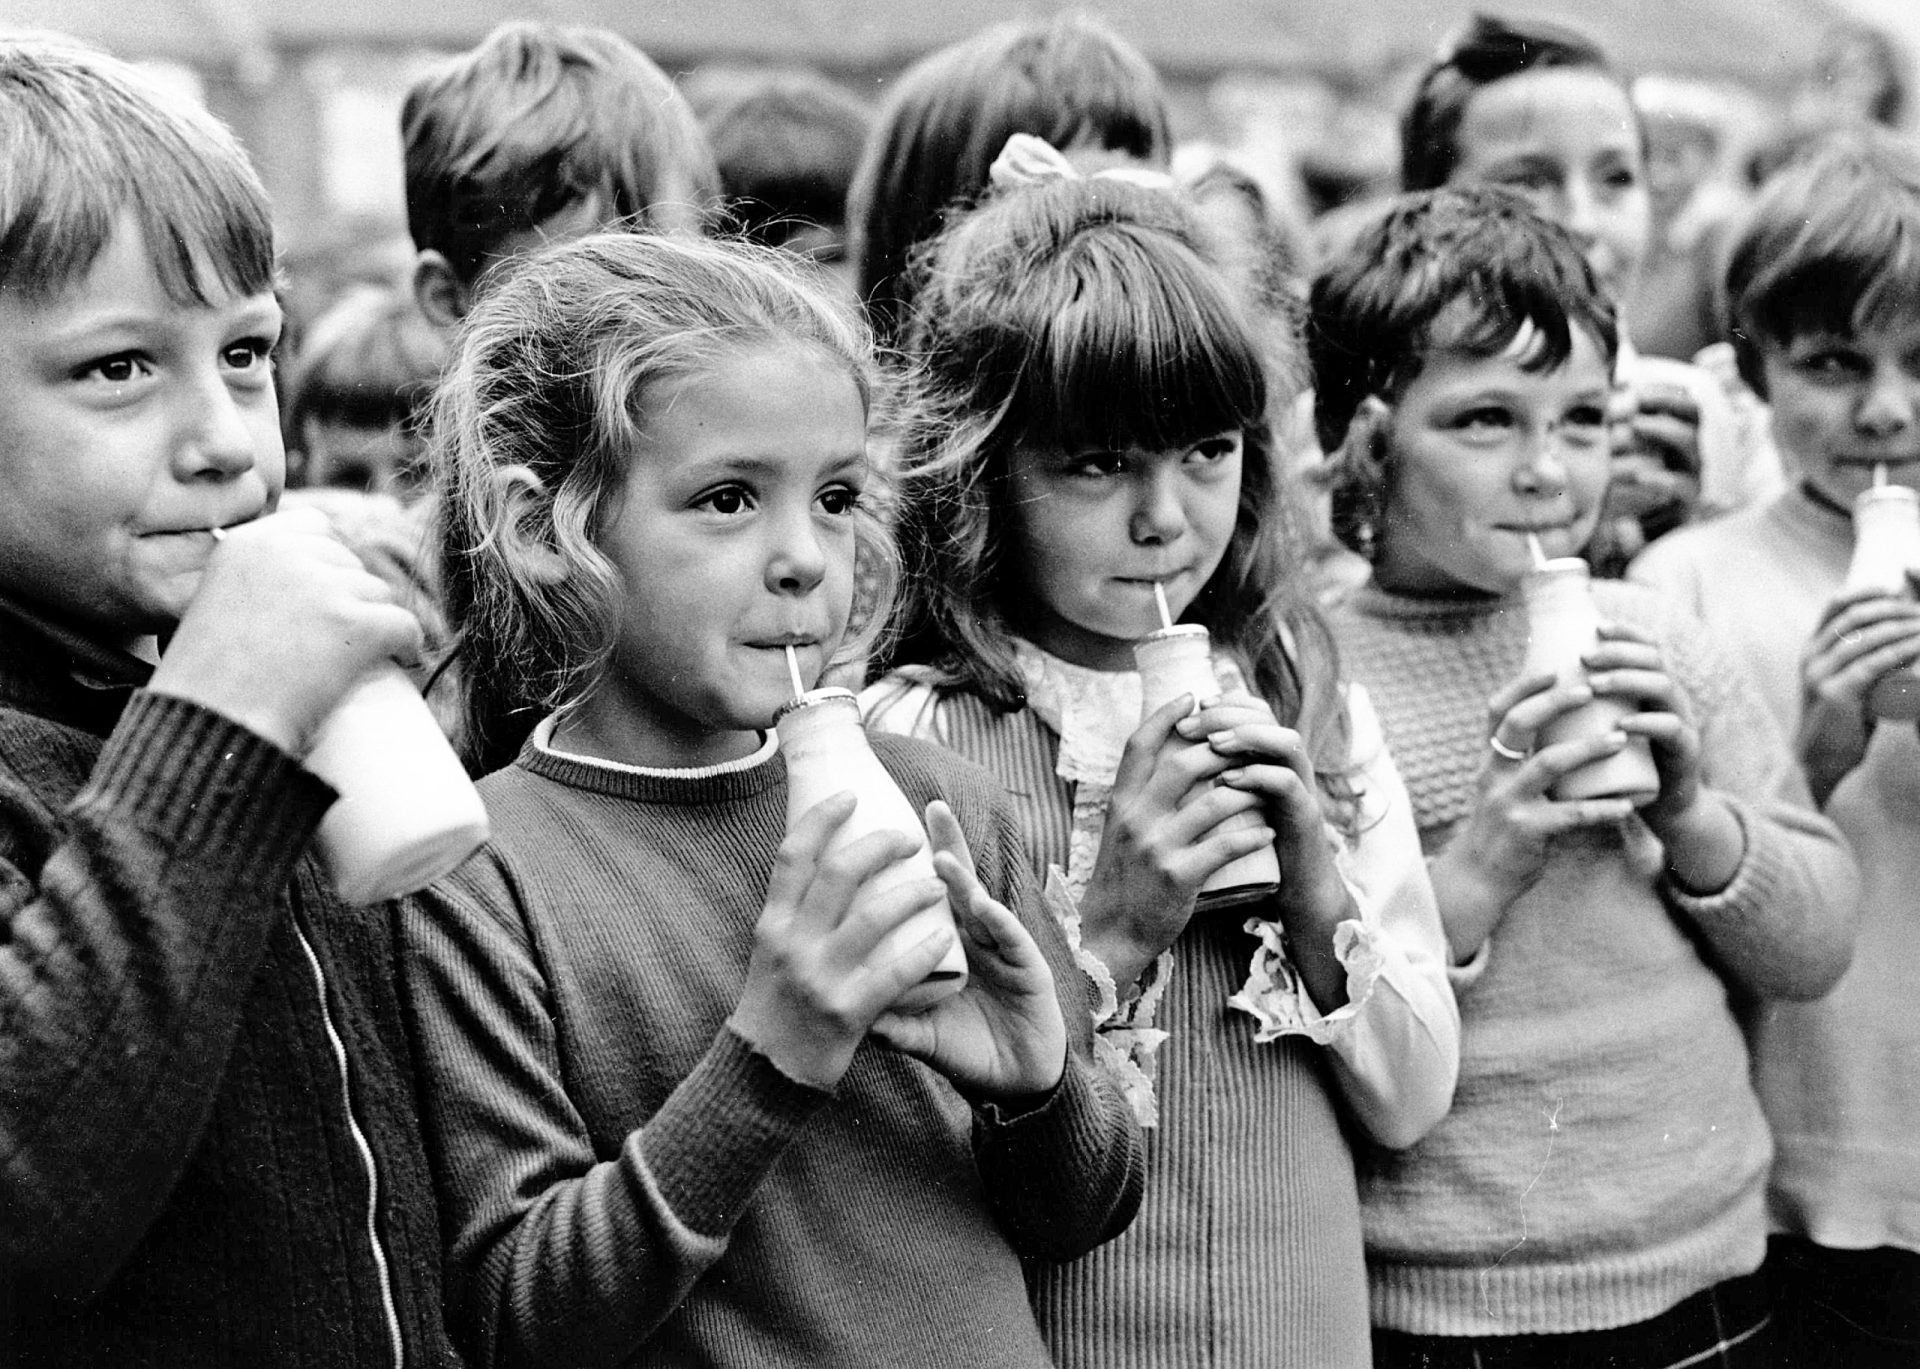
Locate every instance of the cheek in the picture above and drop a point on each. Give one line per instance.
(1806, 419)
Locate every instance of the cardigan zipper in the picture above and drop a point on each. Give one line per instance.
(366, 1154)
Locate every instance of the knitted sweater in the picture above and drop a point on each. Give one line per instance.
(1247, 1248)
(182, 1176)
(1839, 1077)
(1605, 1156)
(626, 1182)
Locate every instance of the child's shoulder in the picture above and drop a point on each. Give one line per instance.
(943, 774)
(1703, 544)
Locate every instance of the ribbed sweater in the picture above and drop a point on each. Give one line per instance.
(179, 1180)
(625, 1182)
(1606, 1156)
(1247, 1248)
(1839, 1077)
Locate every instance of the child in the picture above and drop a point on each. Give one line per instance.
(1821, 291)
(208, 1151)
(355, 389)
(1094, 426)
(1069, 80)
(1596, 1193)
(539, 134)
(658, 1133)
(787, 143)
(1535, 108)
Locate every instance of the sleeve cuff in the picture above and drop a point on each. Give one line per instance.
(1759, 878)
(1125, 1041)
(1465, 975)
(722, 1130)
(197, 781)
(1276, 997)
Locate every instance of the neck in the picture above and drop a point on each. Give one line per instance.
(1825, 500)
(602, 732)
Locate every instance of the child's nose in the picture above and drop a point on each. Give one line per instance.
(1159, 515)
(797, 561)
(1580, 211)
(1890, 404)
(1542, 470)
(215, 441)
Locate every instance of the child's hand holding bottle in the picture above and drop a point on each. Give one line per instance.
(1163, 839)
(822, 971)
(1863, 634)
(1003, 1034)
(1500, 850)
(1704, 840)
(284, 622)
(1271, 762)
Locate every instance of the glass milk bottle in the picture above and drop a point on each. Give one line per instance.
(1179, 660)
(1886, 545)
(1562, 626)
(407, 813)
(828, 753)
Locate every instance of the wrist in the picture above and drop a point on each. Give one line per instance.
(813, 1058)
(1125, 957)
(1705, 844)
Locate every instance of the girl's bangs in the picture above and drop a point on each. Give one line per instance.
(1157, 379)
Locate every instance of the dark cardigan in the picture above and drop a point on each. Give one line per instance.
(180, 1179)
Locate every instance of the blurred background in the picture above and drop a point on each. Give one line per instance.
(1303, 90)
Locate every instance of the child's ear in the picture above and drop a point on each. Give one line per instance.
(1364, 449)
(520, 493)
(437, 288)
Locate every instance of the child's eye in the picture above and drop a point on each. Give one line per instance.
(1488, 420)
(728, 499)
(1529, 179)
(1214, 450)
(1584, 423)
(1096, 464)
(1832, 364)
(248, 354)
(1619, 176)
(119, 369)
(840, 500)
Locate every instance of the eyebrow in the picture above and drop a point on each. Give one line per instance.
(262, 313)
(758, 465)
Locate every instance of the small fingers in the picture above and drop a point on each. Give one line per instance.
(806, 841)
(840, 874)
(1577, 813)
(1651, 688)
(1551, 764)
(1519, 727)
(1226, 713)
(1509, 695)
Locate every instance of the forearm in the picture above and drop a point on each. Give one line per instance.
(137, 920)
(1704, 845)
(556, 1254)
(1783, 926)
(1399, 1061)
(597, 1261)
(1471, 902)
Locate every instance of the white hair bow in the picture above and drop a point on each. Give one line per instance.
(1027, 160)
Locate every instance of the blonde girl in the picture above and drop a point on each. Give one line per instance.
(664, 1117)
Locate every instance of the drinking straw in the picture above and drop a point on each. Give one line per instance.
(1879, 475)
(1539, 552)
(1160, 598)
(793, 669)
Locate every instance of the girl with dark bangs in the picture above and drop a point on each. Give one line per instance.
(1090, 427)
